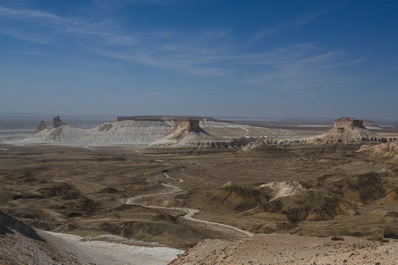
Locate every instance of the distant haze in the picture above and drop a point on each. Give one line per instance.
(271, 59)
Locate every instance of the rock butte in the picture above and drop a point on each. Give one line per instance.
(348, 123)
(41, 127)
(187, 125)
(57, 122)
(147, 130)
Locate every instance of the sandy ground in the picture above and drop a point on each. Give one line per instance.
(291, 249)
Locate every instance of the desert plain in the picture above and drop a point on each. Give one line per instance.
(322, 192)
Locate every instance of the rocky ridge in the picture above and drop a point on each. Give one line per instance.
(152, 130)
(57, 122)
(188, 133)
(42, 126)
(346, 130)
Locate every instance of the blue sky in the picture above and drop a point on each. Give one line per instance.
(292, 59)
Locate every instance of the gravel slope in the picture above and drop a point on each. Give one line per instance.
(292, 249)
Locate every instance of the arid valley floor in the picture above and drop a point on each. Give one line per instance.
(178, 197)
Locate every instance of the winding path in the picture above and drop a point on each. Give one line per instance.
(189, 212)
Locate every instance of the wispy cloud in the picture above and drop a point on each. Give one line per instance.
(34, 53)
(262, 34)
(208, 52)
(292, 23)
(299, 67)
(310, 17)
(27, 13)
(113, 5)
(57, 26)
(26, 36)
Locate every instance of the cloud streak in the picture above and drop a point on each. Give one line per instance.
(207, 52)
(291, 23)
(26, 36)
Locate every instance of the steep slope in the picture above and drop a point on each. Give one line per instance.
(189, 133)
(161, 131)
(21, 244)
(107, 134)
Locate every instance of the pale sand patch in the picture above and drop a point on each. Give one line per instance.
(104, 253)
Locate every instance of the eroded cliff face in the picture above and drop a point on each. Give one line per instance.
(57, 122)
(187, 125)
(348, 123)
(41, 127)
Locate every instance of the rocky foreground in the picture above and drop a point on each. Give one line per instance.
(292, 249)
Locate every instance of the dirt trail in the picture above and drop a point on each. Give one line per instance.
(189, 212)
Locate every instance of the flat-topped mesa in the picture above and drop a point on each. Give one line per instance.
(161, 118)
(348, 123)
(42, 126)
(57, 122)
(348, 130)
(187, 125)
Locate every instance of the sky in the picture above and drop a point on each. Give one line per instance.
(270, 59)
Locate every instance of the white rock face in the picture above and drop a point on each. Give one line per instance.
(129, 132)
(107, 134)
(152, 132)
(221, 124)
(281, 189)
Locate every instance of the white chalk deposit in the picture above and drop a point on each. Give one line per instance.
(107, 134)
(131, 132)
(104, 253)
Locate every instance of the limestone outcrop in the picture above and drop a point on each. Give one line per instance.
(57, 122)
(345, 130)
(187, 125)
(42, 126)
(348, 123)
(348, 130)
(188, 133)
(162, 118)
